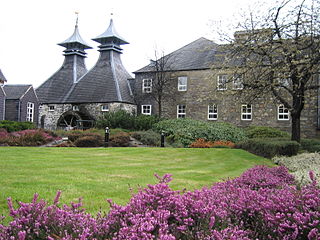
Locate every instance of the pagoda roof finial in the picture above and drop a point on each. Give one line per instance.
(110, 34)
(75, 41)
(77, 13)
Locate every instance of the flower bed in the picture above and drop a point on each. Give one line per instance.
(30, 137)
(263, 203)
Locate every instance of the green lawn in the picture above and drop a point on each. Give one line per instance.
(97, 174)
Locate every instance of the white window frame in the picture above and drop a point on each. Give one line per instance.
(105, 108)
(147, 85)
(283, 113)
(181, 111)
(237, 83)
(212, 112)
(51, 108)
(182, 83)
(246, 112)
(75, 108)
(222, 82)
(30, 112)
(146, 109)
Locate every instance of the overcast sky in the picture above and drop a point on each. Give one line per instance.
(30, 30)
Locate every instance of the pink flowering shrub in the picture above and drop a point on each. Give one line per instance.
(29, 137)
(263, 203)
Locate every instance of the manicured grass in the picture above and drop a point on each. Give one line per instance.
(97, 174)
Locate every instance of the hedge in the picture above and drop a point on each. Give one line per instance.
(187, 131)
(269, 148)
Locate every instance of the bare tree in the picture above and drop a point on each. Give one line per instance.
(278, 53)
(161, 89)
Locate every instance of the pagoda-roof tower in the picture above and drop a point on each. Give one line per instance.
(107, 81)
(57, 87)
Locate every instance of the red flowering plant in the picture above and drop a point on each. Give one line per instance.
(29, 137)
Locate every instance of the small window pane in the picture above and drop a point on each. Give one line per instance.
(283, 113)
(146, 109)
(212, 112)
(181, 111)
(147, 85)
(182, 83)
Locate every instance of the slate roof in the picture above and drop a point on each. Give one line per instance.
(2, 77)
(109, 34)
(15, 91)
(55, 89)
(199, 54)
(107, 81)
(75, 38)
(2, 90)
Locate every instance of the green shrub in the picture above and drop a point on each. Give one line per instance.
(186, 131)
(89, 141)
(269, 148)
(149, 137)
(265, 132)
(118, 119)
(120, 139)
(125, 120)
(13, 126)
(144, 122)
(310, 145)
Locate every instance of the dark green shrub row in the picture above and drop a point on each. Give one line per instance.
(310, 145)
(186, 131)
(13, 126)
(122, 119)
(265, 132)
(269, 148)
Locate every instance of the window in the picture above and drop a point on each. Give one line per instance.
(284, 82)
(212, 112)
(283, 113)
(75, 108)
(246, 112)
(51, 108)
(146, 109)
(237, 82)
(147, 85)
(222, 82)
(105, 108)
(30, 111)
(182, 83)
(181, 111)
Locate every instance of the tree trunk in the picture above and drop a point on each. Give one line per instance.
(295, 127)
(160, 108)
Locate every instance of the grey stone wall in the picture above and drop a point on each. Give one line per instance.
(202, 91)
(49, 119)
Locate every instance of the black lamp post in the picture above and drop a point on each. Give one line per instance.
(162, 139)
(106, 137)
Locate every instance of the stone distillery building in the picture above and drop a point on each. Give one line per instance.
(75, 97)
